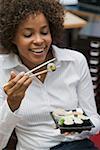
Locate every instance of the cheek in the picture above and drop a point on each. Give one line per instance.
(22, 45)
(49, 40)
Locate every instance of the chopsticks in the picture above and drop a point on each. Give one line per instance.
(38, 73)
(41, 72)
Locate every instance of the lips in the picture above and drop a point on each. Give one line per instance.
(37, 50)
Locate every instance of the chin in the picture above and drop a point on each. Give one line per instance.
(38, 62)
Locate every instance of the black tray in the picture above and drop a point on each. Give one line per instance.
(86, 125)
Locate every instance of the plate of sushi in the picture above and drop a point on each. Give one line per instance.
(71, 121)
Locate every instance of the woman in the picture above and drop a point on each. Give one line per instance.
(28, 30)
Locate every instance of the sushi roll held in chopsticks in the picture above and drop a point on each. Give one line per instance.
(51, 67)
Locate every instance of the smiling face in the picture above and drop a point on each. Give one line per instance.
(33, 40)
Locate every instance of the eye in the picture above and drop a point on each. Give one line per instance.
(44, 33)
(28, 35)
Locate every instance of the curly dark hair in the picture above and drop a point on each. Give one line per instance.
(12, 12)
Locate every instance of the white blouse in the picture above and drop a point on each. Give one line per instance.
(68, 87)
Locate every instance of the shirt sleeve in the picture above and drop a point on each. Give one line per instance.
(8, 120)
(86, 96)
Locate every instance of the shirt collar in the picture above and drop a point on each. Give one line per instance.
(12, 60)
(62, 54)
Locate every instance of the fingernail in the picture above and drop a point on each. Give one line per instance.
(22, 73)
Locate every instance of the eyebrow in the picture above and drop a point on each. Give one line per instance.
(29, 28)
(45, 26)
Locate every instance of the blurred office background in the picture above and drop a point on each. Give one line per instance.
(84, 37)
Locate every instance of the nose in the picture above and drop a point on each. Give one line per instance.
(38, 40)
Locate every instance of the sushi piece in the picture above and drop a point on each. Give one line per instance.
(51, 67)
(77, 120)
(68, 120)
(58, 113)
(79, 110)
(83, 117)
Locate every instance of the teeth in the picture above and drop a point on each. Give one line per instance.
(37, 50)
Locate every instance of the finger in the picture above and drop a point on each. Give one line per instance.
(17, 86)
(20, 93)
(66, 133)
(25, 85)
(69, 133)
(12, 82)
(16, 97)
(13, 75)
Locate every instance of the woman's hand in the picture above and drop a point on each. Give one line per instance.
(16, 88)
(68, 133)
